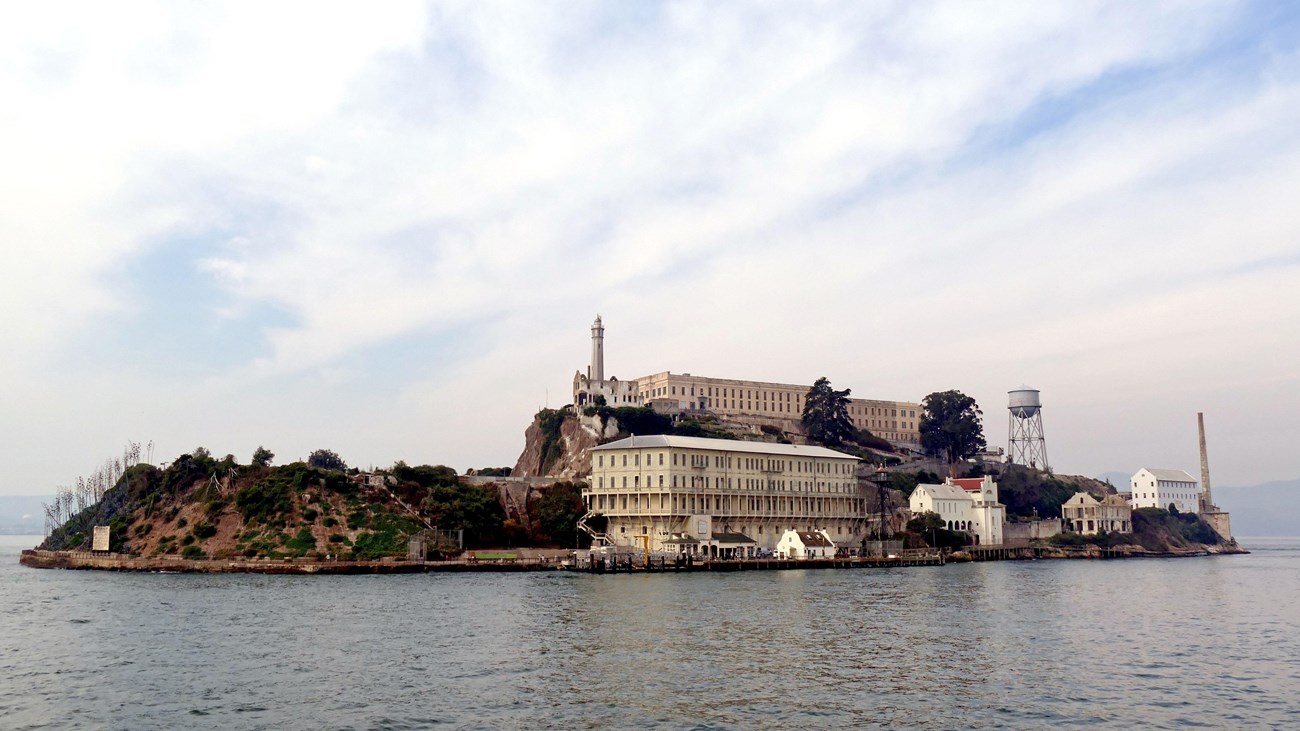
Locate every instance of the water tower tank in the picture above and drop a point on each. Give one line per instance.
(1024, 403)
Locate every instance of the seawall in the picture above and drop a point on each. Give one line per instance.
(121, 562)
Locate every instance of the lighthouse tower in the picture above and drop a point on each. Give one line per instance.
(596, 371)
(592, 388)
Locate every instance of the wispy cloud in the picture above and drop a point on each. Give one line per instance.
(904, 197)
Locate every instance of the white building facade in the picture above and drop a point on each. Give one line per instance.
(969, 505)
(682, 491)
(1160, 488)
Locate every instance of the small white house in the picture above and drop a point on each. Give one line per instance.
(1153, 488)
(805, 544)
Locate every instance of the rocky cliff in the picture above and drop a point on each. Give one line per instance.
(558, 444)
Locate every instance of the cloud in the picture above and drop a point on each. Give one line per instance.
(387, 230)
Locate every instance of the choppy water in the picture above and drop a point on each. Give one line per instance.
(1161, 643)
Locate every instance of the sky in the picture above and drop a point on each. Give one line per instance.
(384, 229)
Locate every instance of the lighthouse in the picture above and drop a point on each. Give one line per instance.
(596, 371)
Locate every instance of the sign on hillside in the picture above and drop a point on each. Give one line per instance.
(100, 540)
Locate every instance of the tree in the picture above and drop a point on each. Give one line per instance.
(558, 512)
(826, 414)
(262, 457)
(492, 472)
(951, 426)
(326, 459)
(425, 475)
(466, 507)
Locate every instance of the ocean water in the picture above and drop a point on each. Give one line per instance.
(1154, 644)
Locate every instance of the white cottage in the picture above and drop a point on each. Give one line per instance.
(805, 544)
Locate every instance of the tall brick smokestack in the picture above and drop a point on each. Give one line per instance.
(1207, 502)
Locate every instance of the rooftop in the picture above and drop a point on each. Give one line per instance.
(944, 492)
(1170, 475)
(652, 441)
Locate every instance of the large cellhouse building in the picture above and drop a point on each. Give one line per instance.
(757, 401)
(703, 496)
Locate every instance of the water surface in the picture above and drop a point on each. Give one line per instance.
(1152, 643)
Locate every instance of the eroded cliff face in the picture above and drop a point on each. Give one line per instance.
(560, 446)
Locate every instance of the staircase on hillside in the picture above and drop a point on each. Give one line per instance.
(598, 539)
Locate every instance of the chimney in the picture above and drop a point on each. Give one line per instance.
(1207, 502)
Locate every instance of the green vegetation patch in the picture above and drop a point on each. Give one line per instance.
(388, 537)
(558, 512)
(301, 543)
(549, 422)
(358, 519)
(265, 499)
(1026, 492)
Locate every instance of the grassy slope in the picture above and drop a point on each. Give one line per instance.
(287, 511)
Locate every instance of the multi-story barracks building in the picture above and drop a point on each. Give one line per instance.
(722, 497)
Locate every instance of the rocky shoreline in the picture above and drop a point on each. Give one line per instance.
(85, 560)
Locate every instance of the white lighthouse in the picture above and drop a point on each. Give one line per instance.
(592, 389)
(596, 371)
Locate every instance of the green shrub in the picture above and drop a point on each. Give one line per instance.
(188, 539)
(265, 499)
(329, 522)
(309, 515)
(301, 543)
(204, 529)
(192, 552)
(339, 538)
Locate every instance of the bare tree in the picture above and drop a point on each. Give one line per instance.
(82, 494)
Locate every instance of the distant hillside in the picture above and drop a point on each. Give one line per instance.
(22, 515)
(1119, 479)
(1270, 509)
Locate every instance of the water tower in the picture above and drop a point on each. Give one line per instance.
(1027, 445)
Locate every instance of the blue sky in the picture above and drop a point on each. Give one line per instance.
(386, 230)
